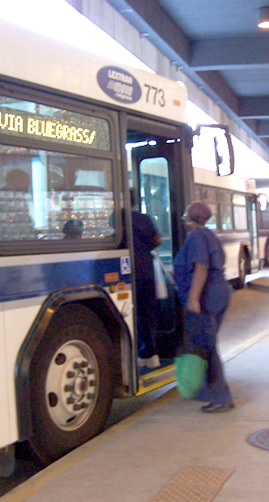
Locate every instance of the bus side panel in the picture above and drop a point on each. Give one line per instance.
(4, 379)
(18, 318)
(18, 315)
(232, 245)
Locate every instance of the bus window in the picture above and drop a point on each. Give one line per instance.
(212, 222)
(226, 221)
(197, 193)
(225, 209)
(62, 187)
(210, 197)
(69, 171)
(240, 212)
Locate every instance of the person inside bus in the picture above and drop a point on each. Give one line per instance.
(73, 229)
(145, 238)
(18, 209)
(205, 294)
(17, 180)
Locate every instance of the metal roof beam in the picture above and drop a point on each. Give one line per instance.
(254, 108)
(229, 53)
(263, 128)
(217, 84)
(151, 20)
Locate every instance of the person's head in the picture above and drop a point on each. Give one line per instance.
(73, 229)
(17, 180)
(197, 214)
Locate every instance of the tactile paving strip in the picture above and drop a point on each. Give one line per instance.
(193, 484)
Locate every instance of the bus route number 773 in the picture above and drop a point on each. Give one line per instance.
(154, 95)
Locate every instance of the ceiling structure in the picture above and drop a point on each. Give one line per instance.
(219, 46)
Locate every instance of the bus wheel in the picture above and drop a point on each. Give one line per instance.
(243, 271)
(71, 383)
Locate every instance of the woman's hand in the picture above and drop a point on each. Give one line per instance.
(193, 305)
(199, 277)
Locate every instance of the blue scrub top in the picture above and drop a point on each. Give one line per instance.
(202, 246)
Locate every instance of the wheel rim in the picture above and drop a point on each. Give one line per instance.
(72, 385)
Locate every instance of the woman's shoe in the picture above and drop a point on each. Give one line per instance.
(217, 408)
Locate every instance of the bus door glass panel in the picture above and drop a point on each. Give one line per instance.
(197, 193)
(225, 207)
(151, 167)
(155, 200)
(148, 174)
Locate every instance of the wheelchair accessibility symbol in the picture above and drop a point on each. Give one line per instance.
(125, 266)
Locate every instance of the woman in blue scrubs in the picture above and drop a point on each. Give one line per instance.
(204, 293)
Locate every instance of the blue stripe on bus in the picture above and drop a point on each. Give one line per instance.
(26, 281)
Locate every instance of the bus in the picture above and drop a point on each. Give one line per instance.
(76, 133)
(235, 220)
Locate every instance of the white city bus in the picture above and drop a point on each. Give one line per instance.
(233, 202)
(67, 327)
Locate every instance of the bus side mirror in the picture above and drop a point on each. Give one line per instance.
(224, 154)
(262, 201)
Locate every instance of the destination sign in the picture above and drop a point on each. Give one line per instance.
(85, 131)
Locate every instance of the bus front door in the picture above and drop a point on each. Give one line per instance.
(156, 173)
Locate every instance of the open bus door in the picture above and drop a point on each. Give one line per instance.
(160, 172)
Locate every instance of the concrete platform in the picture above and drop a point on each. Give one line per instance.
(262, 284)
(259, 281)
(134, 459)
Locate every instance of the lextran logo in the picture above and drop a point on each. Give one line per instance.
(119, 84)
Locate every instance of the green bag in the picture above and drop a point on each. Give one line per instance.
(190, 373)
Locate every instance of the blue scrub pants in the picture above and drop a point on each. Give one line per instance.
(202, 332)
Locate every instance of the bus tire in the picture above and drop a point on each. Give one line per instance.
(243, 270)
(71, 383)
(266, 254)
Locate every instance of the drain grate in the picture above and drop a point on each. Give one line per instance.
(260, 439)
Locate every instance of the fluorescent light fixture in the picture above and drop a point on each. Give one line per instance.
(130, 146)
(263, 18)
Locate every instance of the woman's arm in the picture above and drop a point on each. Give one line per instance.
(198, 281)
(157, 240)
